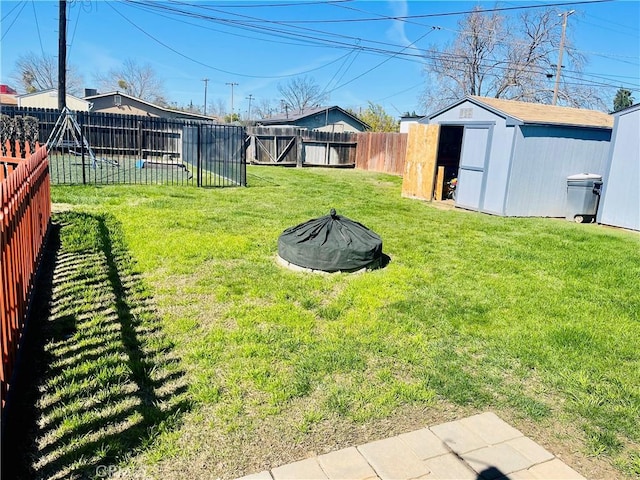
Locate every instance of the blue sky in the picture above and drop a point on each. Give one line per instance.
(324, 44)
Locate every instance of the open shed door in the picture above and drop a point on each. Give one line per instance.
(420, 161)
(473, 160)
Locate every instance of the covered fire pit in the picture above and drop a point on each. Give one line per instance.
(332, 243)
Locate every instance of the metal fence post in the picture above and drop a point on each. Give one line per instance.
(198, 164)
(82, 137)
(243, 162)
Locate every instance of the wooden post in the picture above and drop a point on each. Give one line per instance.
(439, 183)
(299, 149)
(420, 162)
(62, 55)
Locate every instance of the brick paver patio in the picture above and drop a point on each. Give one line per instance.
(478, 447)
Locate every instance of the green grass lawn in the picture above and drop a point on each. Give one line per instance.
(227, 364)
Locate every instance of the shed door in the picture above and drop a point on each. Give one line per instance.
(473, 157)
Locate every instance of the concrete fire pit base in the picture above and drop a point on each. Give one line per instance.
(297, 268)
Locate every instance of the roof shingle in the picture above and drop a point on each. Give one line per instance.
(548, 114)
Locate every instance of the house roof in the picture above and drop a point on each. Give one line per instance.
(8, 99)
(538, 113)
(49, 91)
(169, 110)
(294, 116)
(626, 110)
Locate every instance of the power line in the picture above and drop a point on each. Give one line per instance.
(338, 71)
(427, 15)
(246, 23)
(325, 42)
(24, 4)
(35, 16)
(211, 66)
(380, 64)
(75, 27)
(273, 5)
(309, 39)
(11, 11)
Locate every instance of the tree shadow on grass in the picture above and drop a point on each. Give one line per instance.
(98, 381)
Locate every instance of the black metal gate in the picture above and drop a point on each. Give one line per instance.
(103, 148)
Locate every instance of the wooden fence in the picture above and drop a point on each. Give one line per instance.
(381, 152)
(25, 212)
(293, 146)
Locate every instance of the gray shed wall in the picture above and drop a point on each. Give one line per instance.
(620, 202)
(543, 158)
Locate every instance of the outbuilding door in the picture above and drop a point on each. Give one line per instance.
(473, 160)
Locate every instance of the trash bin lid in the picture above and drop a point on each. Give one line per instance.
(585, 176)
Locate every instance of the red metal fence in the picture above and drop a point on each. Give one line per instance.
(25, 212)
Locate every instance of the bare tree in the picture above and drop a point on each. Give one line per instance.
(135, 79)
(492, 57)
(264, 108)
(217, 108)
(34, 73)
(301, 93)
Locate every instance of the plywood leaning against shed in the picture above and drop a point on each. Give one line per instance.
(420, 162)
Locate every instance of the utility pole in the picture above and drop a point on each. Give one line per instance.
(559, 66)
(206, 81)
(250, 97)
(62, 55)
(233, 84)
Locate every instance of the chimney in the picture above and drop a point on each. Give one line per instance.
(90, 92)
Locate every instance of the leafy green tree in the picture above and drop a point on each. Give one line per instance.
(229, 118)
(379, 120)
(623, 99)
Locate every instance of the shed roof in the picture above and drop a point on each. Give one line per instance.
(546, 114)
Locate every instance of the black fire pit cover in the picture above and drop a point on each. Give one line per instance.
(330, 243)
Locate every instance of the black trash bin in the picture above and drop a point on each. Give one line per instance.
(583, 196)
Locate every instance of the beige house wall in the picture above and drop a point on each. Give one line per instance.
(338, 127)
(49, 99)
(127, 107)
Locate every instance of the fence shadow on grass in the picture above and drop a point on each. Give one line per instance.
(99, 381)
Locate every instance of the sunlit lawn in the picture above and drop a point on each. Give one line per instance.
(535, 319)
